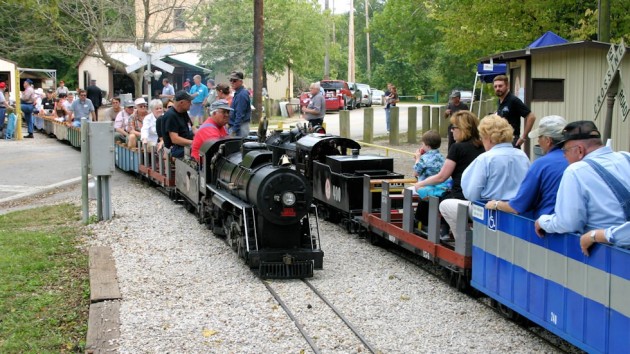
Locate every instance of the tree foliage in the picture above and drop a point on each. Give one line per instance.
(293, 34)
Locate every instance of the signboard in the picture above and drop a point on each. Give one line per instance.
(612, 80)
(154, 59)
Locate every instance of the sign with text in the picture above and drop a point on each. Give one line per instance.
(611, 79)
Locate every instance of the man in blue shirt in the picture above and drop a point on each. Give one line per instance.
(585, 201)
(198, 92)
(241, 105)
(81, 108)
(537, 193)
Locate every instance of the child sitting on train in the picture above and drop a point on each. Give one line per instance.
(429, 162)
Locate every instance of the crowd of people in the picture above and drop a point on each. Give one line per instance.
(578, 186)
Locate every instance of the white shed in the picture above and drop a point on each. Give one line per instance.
(9, 75)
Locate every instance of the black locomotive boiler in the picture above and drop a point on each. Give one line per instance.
(263, 209)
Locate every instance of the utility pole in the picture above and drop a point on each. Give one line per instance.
(603, 21)
(367, 39)
(351, 76)
(327, 57)
(258, 59)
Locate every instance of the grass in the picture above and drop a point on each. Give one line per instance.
(44, 286)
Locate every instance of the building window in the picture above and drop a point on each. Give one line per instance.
(548, 90)
(179, 20)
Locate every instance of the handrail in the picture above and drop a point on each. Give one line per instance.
(387, 149)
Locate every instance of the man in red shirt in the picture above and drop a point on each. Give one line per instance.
(213, 128)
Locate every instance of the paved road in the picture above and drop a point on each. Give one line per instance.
(35, 165)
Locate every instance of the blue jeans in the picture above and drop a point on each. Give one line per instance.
(177, 151)
(2, 114)
(27, 109)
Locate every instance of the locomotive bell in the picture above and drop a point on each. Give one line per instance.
(284, 160)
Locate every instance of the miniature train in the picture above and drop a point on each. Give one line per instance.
(548, 281)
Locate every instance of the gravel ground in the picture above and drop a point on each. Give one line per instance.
(185, 291)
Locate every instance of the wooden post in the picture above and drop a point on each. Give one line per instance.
(368, 125)
(412, 128)
(435, 119)
(344, 123)
(443, 122)
(394, 139)
(426, 118)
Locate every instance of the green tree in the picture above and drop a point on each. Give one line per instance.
(293, 34)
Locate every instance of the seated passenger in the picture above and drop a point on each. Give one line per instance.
(60, 108)
(213, 128)
(81, 108)
(159, 124)
(121, 124)
(149, 133)
(594, 189)
(429, 162)
(616, 235)
(461, 154)
(178, 128)
(113, 111)
(135, 121)
(495, 174)
(537, 194)
(48, 104)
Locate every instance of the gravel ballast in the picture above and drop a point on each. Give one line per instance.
(185, 290)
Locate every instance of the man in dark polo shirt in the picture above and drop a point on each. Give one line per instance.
(512, 109)
(178, 128)
(454, 106)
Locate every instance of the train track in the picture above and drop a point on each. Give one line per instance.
(440, 272)
(310, 338)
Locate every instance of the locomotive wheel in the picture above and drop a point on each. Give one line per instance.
(375, 239)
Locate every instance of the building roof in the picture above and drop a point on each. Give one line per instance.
(513, 55)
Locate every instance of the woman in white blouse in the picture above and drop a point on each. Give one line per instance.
(148, 132)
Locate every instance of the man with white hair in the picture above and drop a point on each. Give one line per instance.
(316, 110)
(213, 128)
(537, 193)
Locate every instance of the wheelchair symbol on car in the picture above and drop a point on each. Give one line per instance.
(492, 220)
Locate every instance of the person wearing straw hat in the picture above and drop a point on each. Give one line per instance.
(537, 194)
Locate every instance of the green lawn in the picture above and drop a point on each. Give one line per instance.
(44, 285)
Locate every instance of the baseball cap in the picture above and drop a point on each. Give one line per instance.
(210, 81)
(551, 126)
(3, 85)
(129, 103)
(220, 104)
(182, 96)
(580, 130)
(236, 75)
(139, 101)
(50, 90)
(456, 94)
(30, 82)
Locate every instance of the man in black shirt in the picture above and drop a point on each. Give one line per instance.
(512, 109)
(95, 95)
(178, 128)
(48, 103)
(453, 107)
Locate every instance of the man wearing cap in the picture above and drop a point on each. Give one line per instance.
(537, 193)
(213, 128)
(241, 105)
(512, 109)
(588, 194)
(178, 128)
(81, 108)
(168, 92)
(454, 106)
(96, 96)
(121, 123)
(48, 104)
(27, 99)
(62, 89)
(198, 92)
(212, 94)
(315, 111)
(3, 106)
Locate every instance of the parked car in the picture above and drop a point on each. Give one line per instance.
(354, 101)
(378, 97)
(366, 94)
(337, 94)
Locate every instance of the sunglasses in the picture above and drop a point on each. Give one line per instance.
(234, 80)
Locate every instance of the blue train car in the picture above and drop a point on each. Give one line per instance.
(584, 300)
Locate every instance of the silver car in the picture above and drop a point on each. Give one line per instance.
(366, 94)
(378, 97)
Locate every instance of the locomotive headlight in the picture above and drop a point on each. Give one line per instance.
(288, 198)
